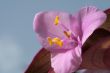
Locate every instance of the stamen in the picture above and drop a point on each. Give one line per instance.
(67, 33)
(58, 41)
(56, 21)
(50, 41)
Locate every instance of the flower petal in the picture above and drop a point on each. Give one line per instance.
(45, 25)
(66, 62)
(86, 21)
(92, 20)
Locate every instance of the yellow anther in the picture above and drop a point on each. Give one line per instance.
(56, 21)
(67, 33)
(56, 41)
(50, 41)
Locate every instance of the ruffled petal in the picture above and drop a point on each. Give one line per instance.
(92, 20)
(66, 62)
(86, 21)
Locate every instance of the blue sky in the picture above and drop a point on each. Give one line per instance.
(18, 43)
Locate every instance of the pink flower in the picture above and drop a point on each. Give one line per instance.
(64, 34)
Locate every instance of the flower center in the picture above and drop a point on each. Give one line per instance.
(56, 21)
(56, 41)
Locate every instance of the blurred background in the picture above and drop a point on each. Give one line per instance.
(18, 43)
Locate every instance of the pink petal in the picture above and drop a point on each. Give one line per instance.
(44, 25)
(86, 21)
(92, 19)
(66, 62)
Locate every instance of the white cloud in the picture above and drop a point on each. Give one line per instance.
(10, 56)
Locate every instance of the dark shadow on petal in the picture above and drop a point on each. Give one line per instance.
(106, 25)
(96, 36)
(40, 63)
(97, 56)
